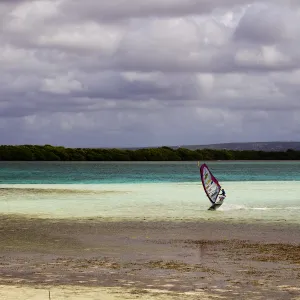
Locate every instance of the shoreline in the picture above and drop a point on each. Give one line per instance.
(149, 220)
(215, 259)
(86, 223)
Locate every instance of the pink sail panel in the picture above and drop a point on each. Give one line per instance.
(210, 183)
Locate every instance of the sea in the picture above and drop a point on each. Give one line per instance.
(257, 191)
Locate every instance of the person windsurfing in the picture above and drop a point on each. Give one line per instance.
(222, 196)
(223, 193)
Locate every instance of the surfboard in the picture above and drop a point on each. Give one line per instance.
(211, 187)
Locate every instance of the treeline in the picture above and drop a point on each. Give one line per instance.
(51, 153)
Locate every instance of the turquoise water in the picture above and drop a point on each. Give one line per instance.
(137, 172)
(256, 191)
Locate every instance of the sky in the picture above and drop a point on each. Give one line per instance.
(127, 73)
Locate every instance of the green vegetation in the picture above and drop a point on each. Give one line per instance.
(51, 153)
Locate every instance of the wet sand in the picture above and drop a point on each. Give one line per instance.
(147, 259)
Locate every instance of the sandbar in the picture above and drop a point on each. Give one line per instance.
(103, 259)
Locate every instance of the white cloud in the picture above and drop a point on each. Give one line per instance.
(264, 56)
(27, 15)
(87, 36)
(61, 85)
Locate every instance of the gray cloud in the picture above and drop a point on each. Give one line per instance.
(96, 73)
(118, 9)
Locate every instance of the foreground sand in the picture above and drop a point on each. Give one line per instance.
(98, 259)
(81, 293)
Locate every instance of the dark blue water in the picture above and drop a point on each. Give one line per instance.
(142, 172)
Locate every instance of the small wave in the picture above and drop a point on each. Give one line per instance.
(228, 207)
(275, 208)
(293, 207)
(266, 208)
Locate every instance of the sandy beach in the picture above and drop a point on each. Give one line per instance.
(82, 259)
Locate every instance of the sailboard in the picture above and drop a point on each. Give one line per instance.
(211, 187)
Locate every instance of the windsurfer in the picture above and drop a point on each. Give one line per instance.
(223, 193)
(212, 187)
(222, 196)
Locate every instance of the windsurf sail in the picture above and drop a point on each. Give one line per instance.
(210, 183)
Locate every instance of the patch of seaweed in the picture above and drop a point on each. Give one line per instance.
(267, 252)
(178, 266)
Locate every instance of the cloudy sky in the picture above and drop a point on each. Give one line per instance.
(125, 73)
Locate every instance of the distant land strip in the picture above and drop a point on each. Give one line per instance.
(59, 153)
